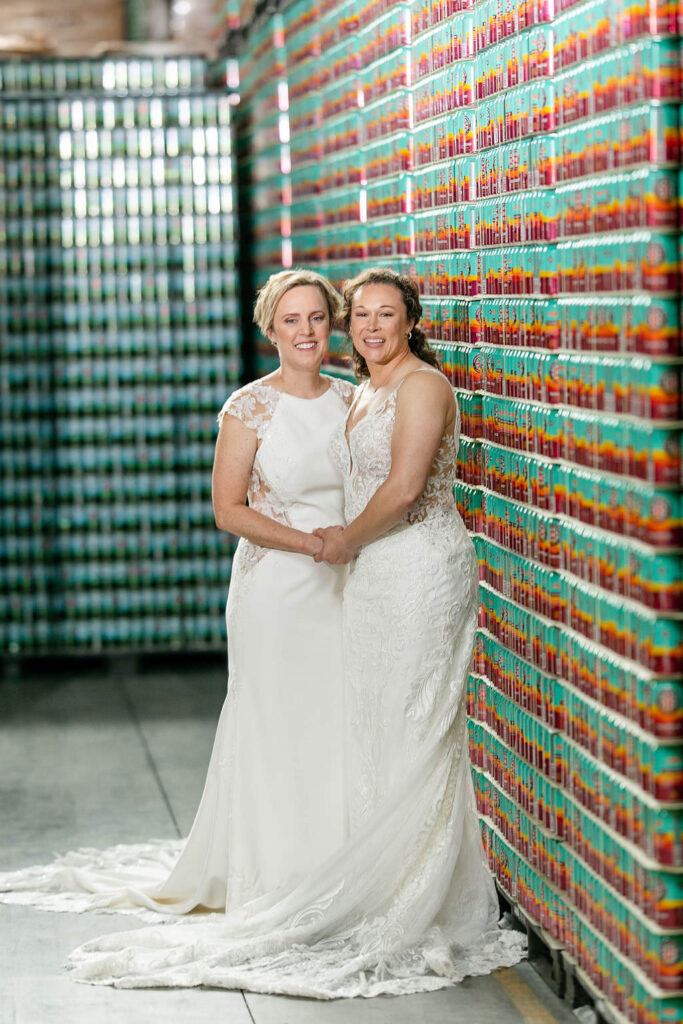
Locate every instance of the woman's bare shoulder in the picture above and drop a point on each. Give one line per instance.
(426, 380)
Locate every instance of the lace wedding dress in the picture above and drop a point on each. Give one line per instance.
(405, 902)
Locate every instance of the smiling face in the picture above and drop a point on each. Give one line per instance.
(301, 328)
(379, 323)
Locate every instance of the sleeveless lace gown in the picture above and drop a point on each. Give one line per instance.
(405, 903)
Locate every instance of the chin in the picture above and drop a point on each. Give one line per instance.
(312, 355)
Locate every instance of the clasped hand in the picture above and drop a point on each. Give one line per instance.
(335, 549)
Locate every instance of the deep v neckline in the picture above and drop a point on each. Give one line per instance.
(349, 431)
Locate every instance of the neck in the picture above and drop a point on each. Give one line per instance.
(300, 383)
(383, 374)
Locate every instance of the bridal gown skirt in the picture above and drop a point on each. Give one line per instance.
(267, 819)
(272, 808)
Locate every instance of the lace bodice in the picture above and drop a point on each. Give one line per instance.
(365, 459)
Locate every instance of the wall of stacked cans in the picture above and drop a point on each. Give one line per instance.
(521, 161)
(118, 343)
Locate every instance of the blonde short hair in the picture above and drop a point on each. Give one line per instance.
(278, 284)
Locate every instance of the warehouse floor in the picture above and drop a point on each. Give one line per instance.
(93, 755)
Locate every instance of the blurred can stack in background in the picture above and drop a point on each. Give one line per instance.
(119, 342)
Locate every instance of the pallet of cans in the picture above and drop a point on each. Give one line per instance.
(119, 342)
(522, 163)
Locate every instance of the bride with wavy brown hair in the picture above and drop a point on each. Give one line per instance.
(409, 620)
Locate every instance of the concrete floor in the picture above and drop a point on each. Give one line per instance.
(91, 756)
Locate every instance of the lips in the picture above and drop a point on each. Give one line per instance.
(306, 346)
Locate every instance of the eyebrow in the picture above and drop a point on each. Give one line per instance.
(313, 312)
(385, 305)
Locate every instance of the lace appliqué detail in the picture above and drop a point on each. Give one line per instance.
(261, 498)
(345, 389)
(255, 405)
(438, 494)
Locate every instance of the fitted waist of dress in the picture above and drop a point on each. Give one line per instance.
(310, 517)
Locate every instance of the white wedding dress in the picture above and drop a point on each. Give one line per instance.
(265, 818)
(384, 889)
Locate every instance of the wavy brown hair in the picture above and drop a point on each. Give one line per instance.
(409, 292)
